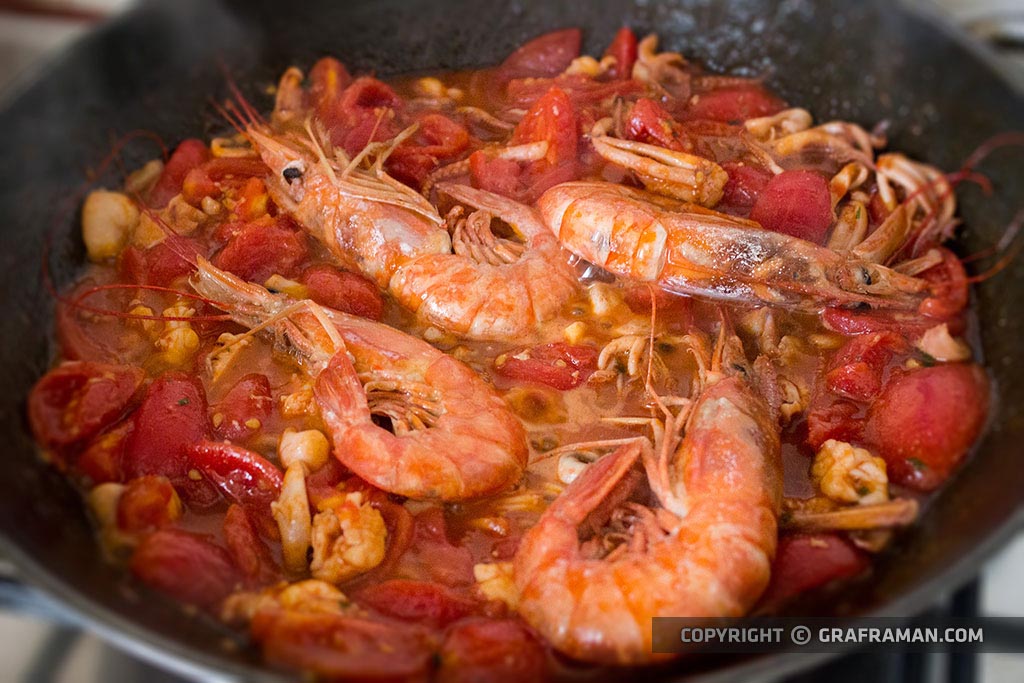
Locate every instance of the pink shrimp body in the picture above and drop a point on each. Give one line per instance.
(691, 250)
(452, 436)
(480, 292)
(706, 553)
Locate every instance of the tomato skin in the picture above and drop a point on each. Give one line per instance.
(500, 176)
(161, 264)
(242, 475)
(147, 503)
(734, 104)
(421, 601)
(546, 55)
(648, 122)
(344, 291)
(796, 203)
(949, 287)
(172, 417)
(430, 556)
(343, 647)
(261, 250)
(437, 138)
(745, 185)
(924, 422)
(840, 420)
(553, 119)
(624, 49)
(558, 365)
(850, 322)
(77, 399)
(187, 155)
(804, 562)
(248, 552)
(249, 399)
(483, 650)
(100, 462)
(188, 567)
(858, 368)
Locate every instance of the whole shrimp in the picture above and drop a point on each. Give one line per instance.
(452, 437)
(490, 288)
(706, 552)
(361, 215)
(688, 249)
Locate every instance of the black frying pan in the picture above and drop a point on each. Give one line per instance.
(158, 67)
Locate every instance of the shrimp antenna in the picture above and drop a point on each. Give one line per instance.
(78, 303)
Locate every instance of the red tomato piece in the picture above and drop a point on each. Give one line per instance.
(847, 321)
(734, 104)
(188, 567)
(169, 260)
(858, 368)
(623, 49)
(370, 128)
(343, 647)
(420, 601)
(100, 462)
(322, 483)
(77, 399)
(248, 400)
(857, 380)
(344, 291)
(500, 176)
(553, 119)
(559, 365)
(796, 203)
(840, 420)
(242, 475)
(745, 185)
(171, 418)
(147, 503)
(546, 55)
(188, 155)
(247, 550)
(220, 168)
(924, 422)
(197, 186)
(648, 122)
(261, 250)
(365, 96)
(432, 557)
(251, 200)
(949, 292)
(674, 309)
(804, 562)
(437, 138)
(485, 650)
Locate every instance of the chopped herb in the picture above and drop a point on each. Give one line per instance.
(183, 401)
(858, 212)
(785, 518)
(863, 491)
(917, 464)
(927, 359)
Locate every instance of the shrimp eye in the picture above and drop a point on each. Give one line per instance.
(865, 276)
(292, 172)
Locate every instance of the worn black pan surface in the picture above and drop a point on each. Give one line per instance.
(158, 67)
